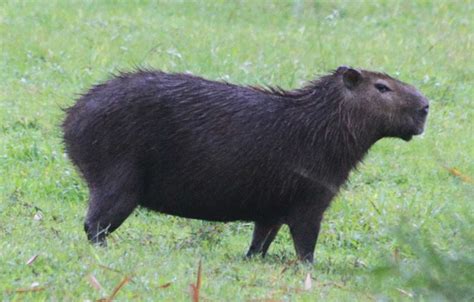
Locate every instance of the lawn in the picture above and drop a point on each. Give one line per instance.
(401, 229)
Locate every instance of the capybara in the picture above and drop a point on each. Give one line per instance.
(183, 145)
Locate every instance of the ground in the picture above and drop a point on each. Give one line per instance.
(400, 230)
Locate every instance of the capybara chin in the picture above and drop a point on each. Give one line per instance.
(186, 146)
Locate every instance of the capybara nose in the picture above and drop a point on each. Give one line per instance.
(425, 109)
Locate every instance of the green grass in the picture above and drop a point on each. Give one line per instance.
(400, 230)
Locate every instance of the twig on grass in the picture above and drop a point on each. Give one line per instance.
(196, 287)
(404, 292)
(27, 290)
(165, 285)
(31, 260)
(119, 286)
(94, 282)
(110, 269)
(288, 265)
(116, 290)
(458, 174)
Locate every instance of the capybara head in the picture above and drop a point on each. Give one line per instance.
(397, 108)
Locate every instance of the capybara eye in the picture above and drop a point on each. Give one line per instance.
(382, 88)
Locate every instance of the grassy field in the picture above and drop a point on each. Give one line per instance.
(402, 229)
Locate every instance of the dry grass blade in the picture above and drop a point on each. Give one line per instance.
(28, 290)
(119, 286)
(308, 282)
(196, 287)
(336, 284)
(105, 267)
(457, 173)
(375, 207)
(404, 292)
(110, 269)
(288, 265)
(165, 285)
(93, 282)
(31, 260)
(116, 290)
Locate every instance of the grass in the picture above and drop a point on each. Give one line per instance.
(400, 230)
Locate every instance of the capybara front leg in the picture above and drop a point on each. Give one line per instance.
(305, 234)
(263, 236)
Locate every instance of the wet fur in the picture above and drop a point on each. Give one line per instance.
(186, 146)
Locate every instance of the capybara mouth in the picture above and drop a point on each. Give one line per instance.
(420, 121)
(417, 130)
(420, 130)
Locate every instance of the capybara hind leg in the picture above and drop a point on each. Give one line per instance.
(108, 209)
(263, 236)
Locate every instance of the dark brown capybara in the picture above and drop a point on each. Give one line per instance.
(186, 146)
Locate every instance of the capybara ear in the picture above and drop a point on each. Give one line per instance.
(351, 77)
(341, 69)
